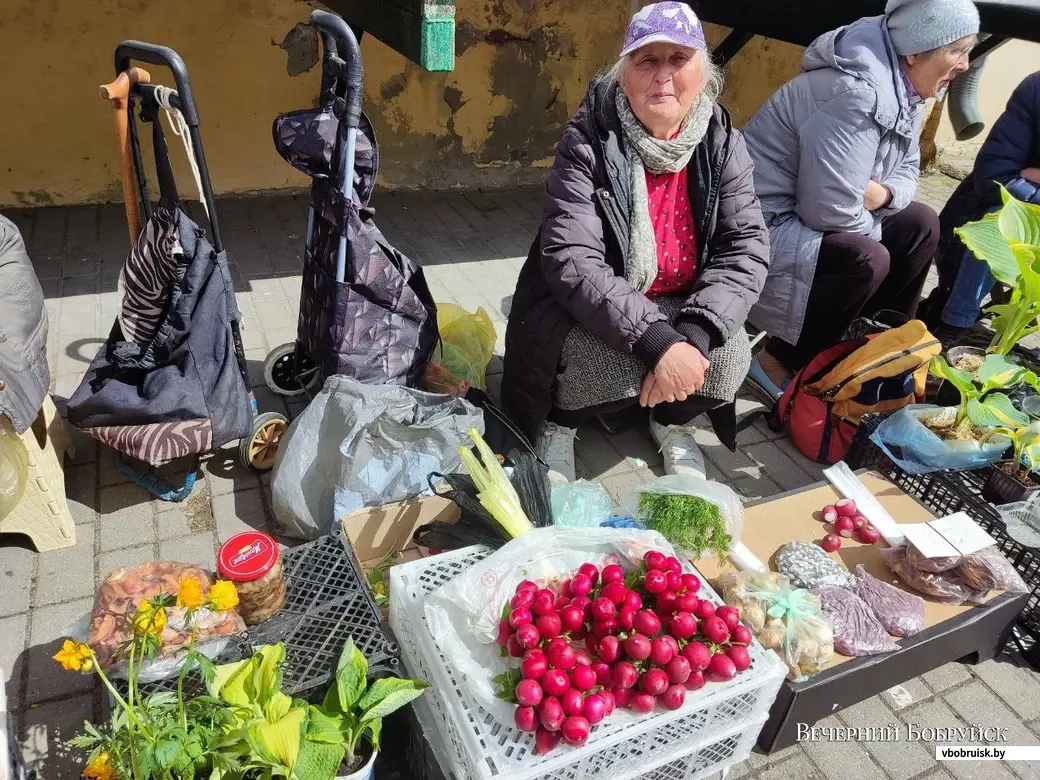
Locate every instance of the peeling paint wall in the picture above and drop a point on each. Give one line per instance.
(522, 67)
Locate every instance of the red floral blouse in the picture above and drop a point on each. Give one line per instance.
(675, 233)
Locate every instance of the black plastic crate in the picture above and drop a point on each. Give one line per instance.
(946, 492)
(327, 600)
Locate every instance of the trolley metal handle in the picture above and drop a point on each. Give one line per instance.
(344, 52)
(161, 55)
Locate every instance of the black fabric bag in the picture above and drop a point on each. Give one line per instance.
(379, 325)
(182, 392)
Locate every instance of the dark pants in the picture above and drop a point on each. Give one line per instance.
(855, 275)
(676, 413)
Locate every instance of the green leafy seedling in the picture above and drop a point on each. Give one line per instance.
(1026, 443)
(983, 405)
(1008, 241)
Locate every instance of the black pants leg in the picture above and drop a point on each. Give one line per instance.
(675, 413)
(857, 275)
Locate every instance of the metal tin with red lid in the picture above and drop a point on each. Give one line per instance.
(247, 556)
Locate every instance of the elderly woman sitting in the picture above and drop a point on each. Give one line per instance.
(652, 250)
(836, 166)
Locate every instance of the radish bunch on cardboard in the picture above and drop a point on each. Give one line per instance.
(848, 523)
(606, 639)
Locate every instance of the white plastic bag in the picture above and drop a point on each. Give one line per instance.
(463, 614)
(723, 496)
(360, 445)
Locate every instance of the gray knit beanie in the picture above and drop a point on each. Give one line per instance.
(918, 26)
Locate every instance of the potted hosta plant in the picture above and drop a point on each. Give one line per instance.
(351, 716)
(1014, 480)
(1008, 241)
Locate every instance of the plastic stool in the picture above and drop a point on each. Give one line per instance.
(43, 513)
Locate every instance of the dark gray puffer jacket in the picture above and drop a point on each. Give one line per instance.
(575, 270)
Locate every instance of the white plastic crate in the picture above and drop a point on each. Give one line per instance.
(716, 727)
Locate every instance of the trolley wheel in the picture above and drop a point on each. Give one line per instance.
(281, 374)
(259, 450)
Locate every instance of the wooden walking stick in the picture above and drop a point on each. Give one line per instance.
(118, 94)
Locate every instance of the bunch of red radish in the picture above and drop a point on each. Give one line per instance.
(847, 522)
(592, 643)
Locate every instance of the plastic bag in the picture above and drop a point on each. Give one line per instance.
(917, 450)
(118, 598)
(466, 347)
(944, 587)
(988, 570)
(900, 613)
(359, 445)
(857, 630)
(580, 504)
(731, 510)
(1022, 520)
(809, 566)
(931, 565)
(785, 619)
(14, 468)
(463, 614)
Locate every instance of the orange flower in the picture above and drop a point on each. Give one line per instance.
(189, 595)
(223, 595)
(75, 657)
(149, 619)
(100, 769)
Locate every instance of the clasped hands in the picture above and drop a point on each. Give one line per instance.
(678, 375)
(876, 196)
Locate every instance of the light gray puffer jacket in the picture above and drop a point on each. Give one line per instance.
(817, 141)
(24, 375)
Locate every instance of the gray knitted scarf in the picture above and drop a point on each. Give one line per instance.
(646, 153)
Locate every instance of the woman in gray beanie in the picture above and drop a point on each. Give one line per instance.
(836, 169)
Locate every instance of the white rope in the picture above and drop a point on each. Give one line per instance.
(180, 129)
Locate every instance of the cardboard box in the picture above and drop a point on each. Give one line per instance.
(379, 531)
(952, 632)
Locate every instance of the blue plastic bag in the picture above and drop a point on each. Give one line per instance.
(917, 450)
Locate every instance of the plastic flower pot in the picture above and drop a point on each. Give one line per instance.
(366, 772)
(1005, 486)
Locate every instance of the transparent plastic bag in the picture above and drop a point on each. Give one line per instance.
(900, 613)
(918, 450)
(123, 590)
(461, 358)
(580, 504)
(944, 586)
(857, 631)
(14, 468)
(809, 566)
(785, 619)
(463, 614)
(731, 510)
(1022, 520)
(988, 570)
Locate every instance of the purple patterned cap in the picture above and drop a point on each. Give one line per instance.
(668, 22)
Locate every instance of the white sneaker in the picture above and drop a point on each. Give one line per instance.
(556, 448)
(682, 455)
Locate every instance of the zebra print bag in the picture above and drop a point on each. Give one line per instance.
(167, 383)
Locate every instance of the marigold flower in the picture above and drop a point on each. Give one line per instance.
(189, 595)
(75, 657)
(149, 619)
(223, 595)
(100, 768)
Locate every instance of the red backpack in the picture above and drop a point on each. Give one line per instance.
(876, 373)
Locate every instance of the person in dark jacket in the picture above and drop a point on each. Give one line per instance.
(651, 251)
(1009, 157)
